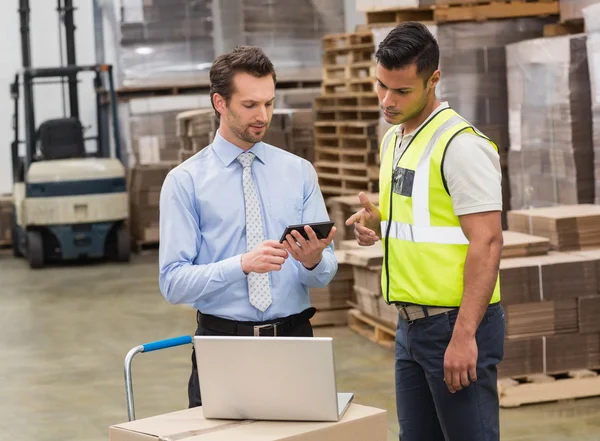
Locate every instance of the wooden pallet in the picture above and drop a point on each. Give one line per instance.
(371, 328)
(6, 243)
(345, 170)
(358, 53)
(346, 40)
(471, 11)
(566, 28)
(343, 114)
(540, 388)
(348, 156)
(352, 85)
(351, 101)
(345, 129)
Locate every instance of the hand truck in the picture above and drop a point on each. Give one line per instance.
(148, 347)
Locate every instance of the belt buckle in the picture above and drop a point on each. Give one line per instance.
(403, 313)
(257, 329)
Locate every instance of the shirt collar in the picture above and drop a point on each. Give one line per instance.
(443, 105)
(228, 152)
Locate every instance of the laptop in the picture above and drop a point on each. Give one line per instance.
(269, 378)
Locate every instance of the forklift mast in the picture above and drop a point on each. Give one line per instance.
(105, 102)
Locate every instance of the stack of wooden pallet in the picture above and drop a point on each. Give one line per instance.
(447, 11)
(195, 130)
(346, 116)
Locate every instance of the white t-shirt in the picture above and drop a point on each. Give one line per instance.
(471, 169)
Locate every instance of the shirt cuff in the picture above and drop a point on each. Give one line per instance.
(317, 269)
(232, 269)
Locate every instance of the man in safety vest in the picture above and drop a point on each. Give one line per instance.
(440, 202)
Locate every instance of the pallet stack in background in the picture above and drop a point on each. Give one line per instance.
(346, 116)
(6, 212)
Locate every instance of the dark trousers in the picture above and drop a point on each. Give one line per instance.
(426, 409)
(300, 329)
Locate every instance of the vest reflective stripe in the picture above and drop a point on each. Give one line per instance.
(425, 234)
(420, 195)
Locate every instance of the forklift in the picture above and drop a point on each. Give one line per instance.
(69, 204)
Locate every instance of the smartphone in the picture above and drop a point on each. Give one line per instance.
(321, 229)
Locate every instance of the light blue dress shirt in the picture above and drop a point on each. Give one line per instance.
(203, 230)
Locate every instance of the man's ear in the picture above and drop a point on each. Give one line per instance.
(219, 103)
(434, 79)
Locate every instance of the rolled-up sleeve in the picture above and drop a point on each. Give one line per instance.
(314, 210)
(180, 279)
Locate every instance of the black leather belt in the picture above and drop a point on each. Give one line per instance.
(272, 328)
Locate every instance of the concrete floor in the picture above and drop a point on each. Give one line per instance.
(64, 332)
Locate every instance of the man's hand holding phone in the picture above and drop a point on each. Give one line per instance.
(308, 252)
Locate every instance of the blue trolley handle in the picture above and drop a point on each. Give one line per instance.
(148, 347)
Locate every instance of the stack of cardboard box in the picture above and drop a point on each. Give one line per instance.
(551, 300)
(332, 301)
(154, 137)
(145, 182)
(195, 129)
(292, 130)
(6, 210)
(568, 227)
(551, 153)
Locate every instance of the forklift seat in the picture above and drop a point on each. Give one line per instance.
(61, 139)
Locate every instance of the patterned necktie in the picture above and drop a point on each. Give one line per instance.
(259, 289)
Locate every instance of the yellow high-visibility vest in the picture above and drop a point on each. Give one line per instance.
(424, 246)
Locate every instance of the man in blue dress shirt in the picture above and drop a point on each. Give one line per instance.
(223, 211)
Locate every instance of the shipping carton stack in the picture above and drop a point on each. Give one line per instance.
(569, 227)
(551, 303)
(154, 137)
(292, 130)
(6, 213)
(195, 129)
(332, 301)
(551, 153)
(592, 24)
(145, 182)
(346, 116)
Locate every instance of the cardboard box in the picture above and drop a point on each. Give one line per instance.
(359, 423)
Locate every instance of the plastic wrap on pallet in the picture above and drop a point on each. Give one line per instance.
(572, 9)
(551, 153)
(473, 75)
(291, 36)
(174, 41)
(591, 16)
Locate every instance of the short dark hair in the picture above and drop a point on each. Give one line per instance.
(246, 59)
(409, 42)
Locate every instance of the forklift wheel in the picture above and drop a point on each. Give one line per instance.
(15, 237)
(123, 244)
(35, 249)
